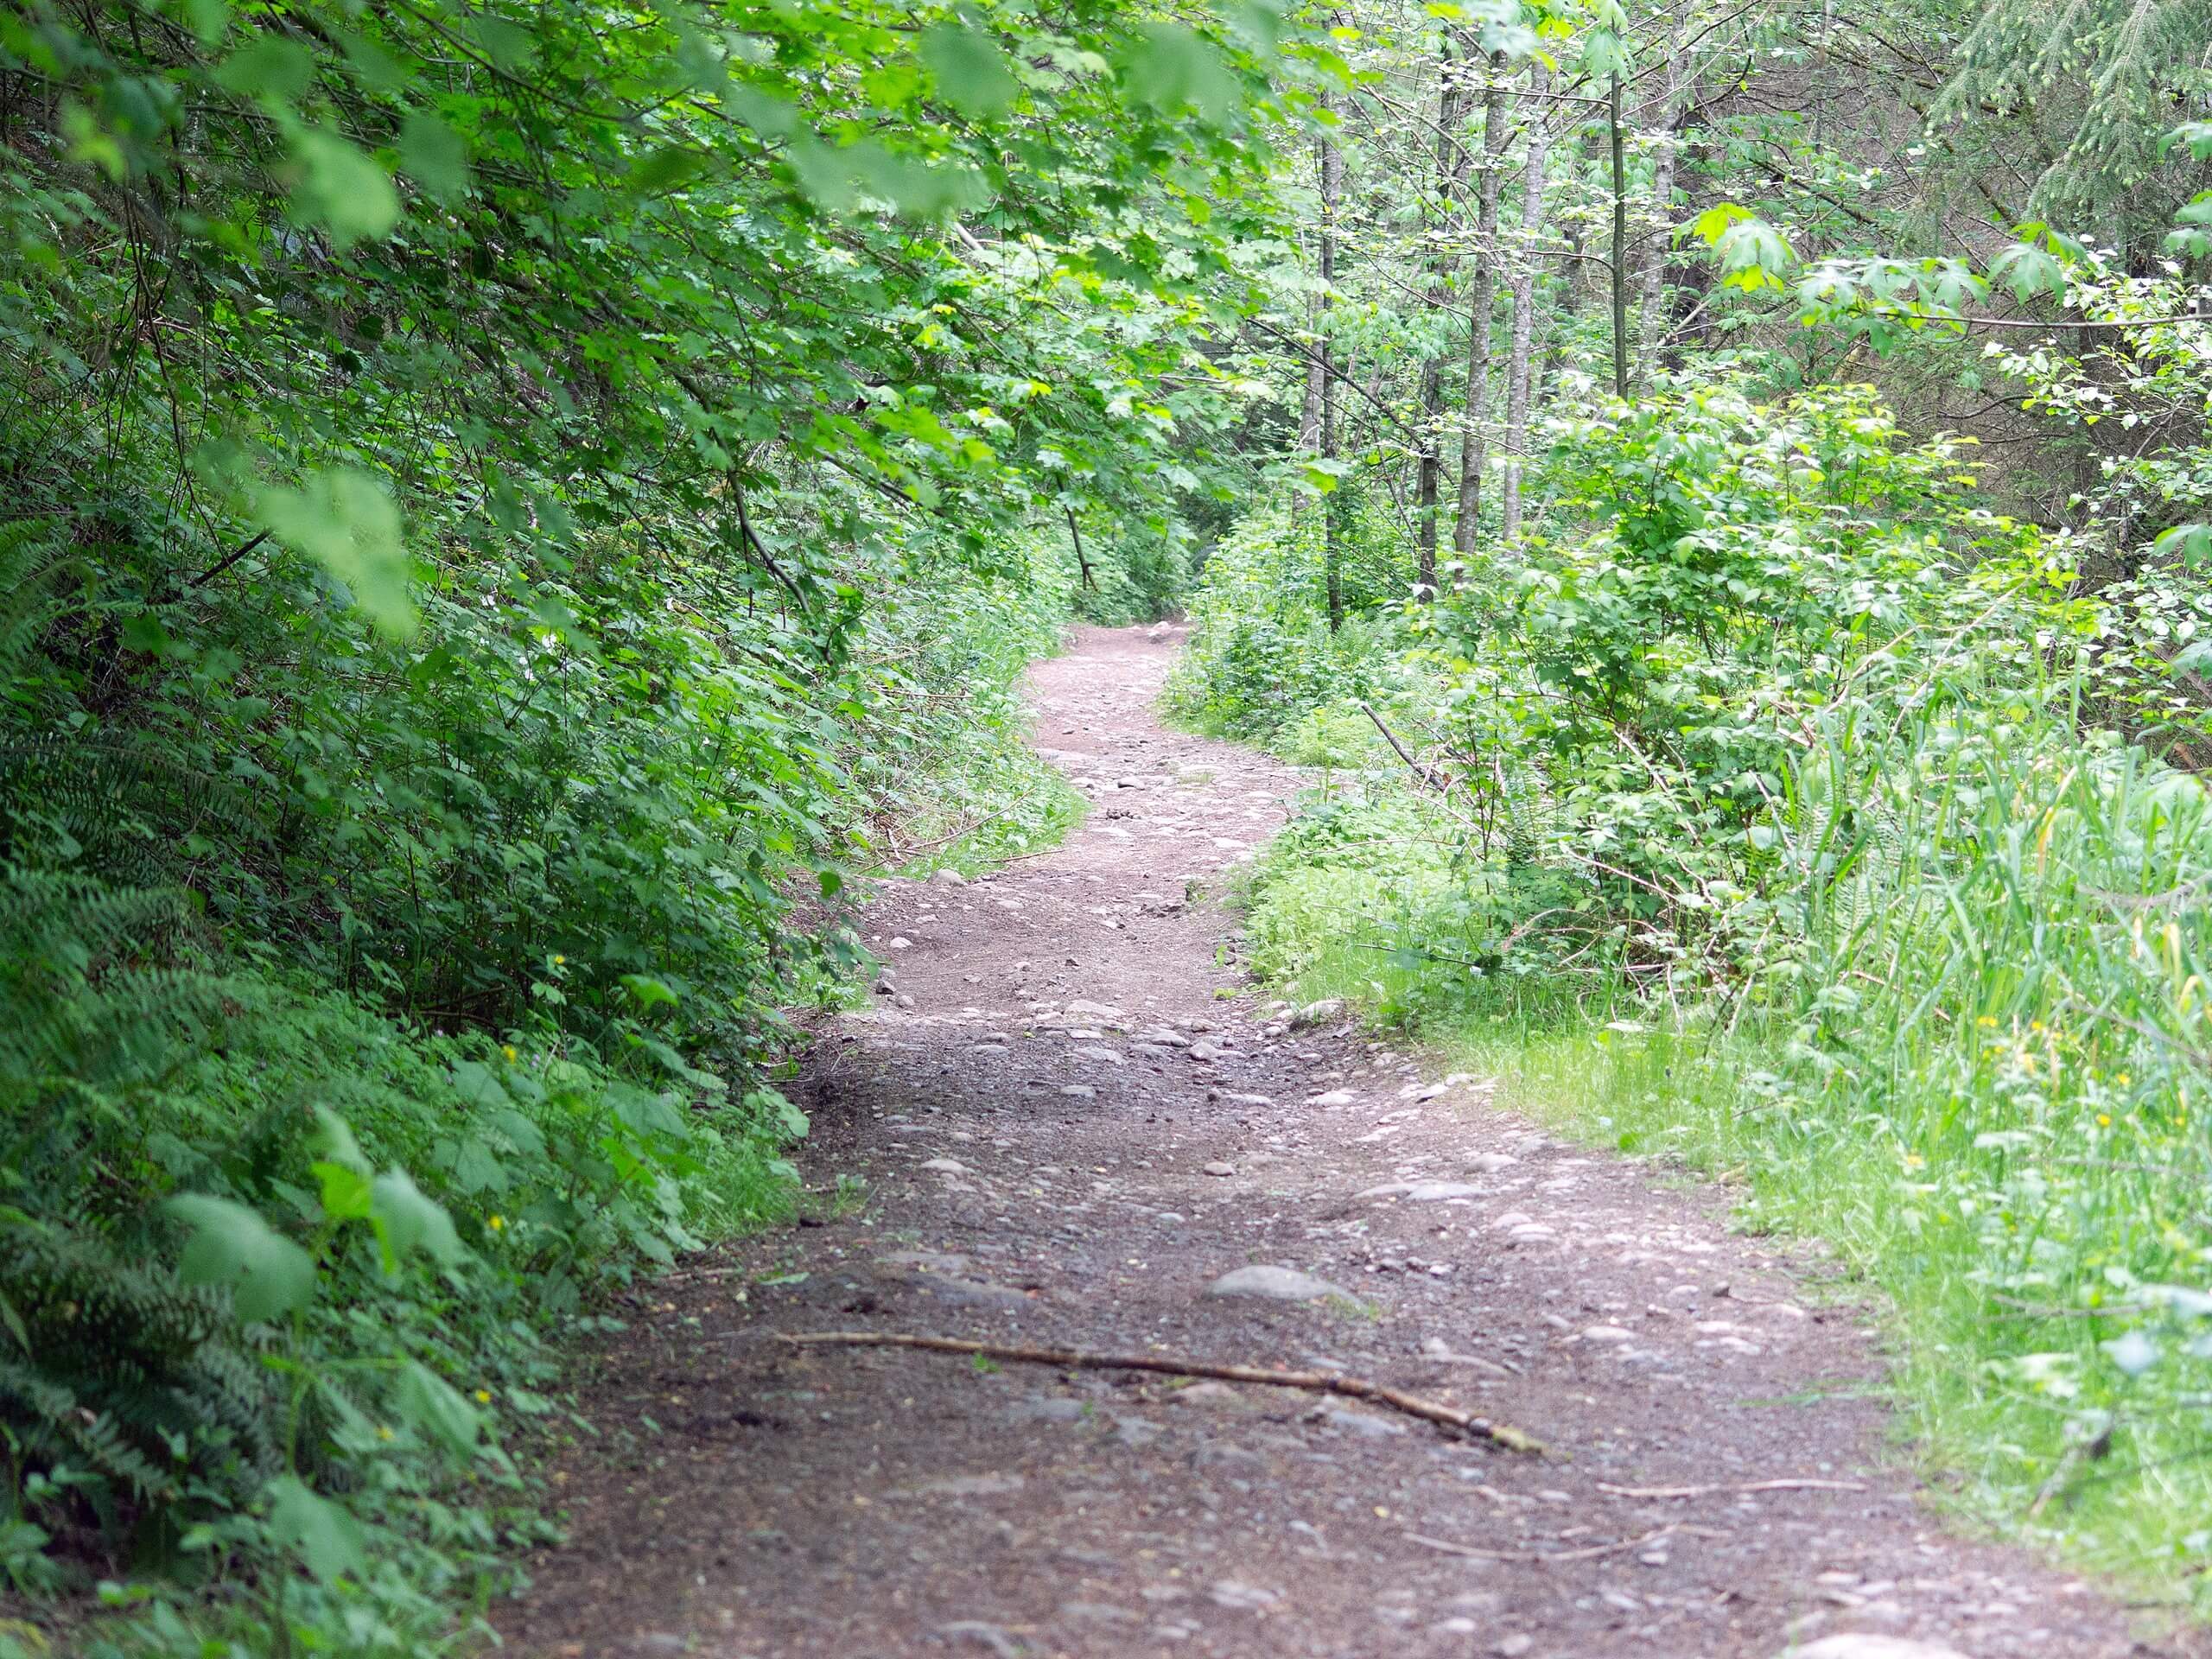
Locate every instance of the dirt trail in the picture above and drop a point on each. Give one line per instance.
(1040, 1172)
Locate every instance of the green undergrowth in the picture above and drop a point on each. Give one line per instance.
(1992, 1228)
(1778, 809)
(952, 779)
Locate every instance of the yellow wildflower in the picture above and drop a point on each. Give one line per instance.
(483, 1396)
(508, 1050)
(497, 1224)
(2104, 1120)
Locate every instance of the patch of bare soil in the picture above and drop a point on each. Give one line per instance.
(1073, 1123)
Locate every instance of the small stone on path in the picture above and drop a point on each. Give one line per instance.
(1221, 1169)
(1276, 1284)
(1853, 1645)
(1245, 1597)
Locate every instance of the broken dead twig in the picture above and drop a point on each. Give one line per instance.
(1424, 773)
(1466, 1422)
(1589, 1553)
(1807, 1485)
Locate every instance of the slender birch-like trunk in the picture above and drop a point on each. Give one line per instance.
(1474, 434)
(1524, 313)
(1448, 101)
(1332, 515)
(1650, 309)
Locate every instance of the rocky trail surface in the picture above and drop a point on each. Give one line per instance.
(1077, 1129)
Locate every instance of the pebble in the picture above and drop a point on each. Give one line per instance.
(1221, 1169)
(1423, 1192)
(1206, 1393)
(1276, 1284)
(1078, 1091)
(1318, 1013)
(1049, 1408)
(961, 1486)
(1853, 1645)
(1248, 1598)
(1513, 1646)
(972, 1632)
(1334, 1097)
(947, 1167)
(1365, 1424)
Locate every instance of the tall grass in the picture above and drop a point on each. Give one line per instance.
(1969, 1046)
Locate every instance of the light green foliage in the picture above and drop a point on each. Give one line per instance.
(504, 513)
(1782, 834)
(1261, 656)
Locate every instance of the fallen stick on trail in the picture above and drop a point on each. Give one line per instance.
(1589, 1553)
(1746, 1486)
(1316, 1382)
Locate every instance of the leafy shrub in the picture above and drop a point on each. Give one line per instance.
(1261, 655)
(1780, 833)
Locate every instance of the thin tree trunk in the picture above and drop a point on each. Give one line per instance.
(1557, 340)
(1619, 272)
(1332, 174)
(1524, 313)
(1650, 309)
(1474, 434)
(1309, 416)
(1432, 368)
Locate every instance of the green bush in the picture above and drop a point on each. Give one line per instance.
(1261, 655)
(1779, 833)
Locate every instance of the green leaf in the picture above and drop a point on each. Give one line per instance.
(269, 67)
(347, 522)
(1604, 55)
(426, 1401)
(2028, 270)
(970, 72)
(267, 1275)
(340, 187)
(1752, 255)
(324, 1536)
(345, 1191)
(1713, 223)
(406, 1221)
(210, 20)
(1171, 68)
(509, 45)
(434, 155)
(662, 170)
(648, 990)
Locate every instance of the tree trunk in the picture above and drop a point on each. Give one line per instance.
(1524, 313)
(1650, 313)
(1332, 515)
(1474, 437)
(1620, 240)
(1432, 368)
(1309, 416)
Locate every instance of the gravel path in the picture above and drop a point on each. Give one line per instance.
(1077, 1129)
